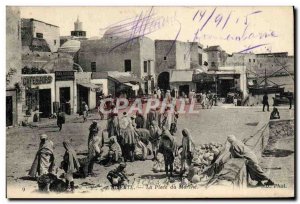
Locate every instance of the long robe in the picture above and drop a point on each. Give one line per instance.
(140, 121)
(188, 145)
(151, 116)
(168, 147)
(44, 160)
(155, 133)
(70, 159)
(239, 150)
(116, 150)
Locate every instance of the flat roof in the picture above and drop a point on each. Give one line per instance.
(32, 19)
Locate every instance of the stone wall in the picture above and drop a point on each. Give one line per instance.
(165, 55)
(30, 28)
(110, 54)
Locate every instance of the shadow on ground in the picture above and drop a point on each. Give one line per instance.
(277, 153)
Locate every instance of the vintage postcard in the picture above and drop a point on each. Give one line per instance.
(150, 102)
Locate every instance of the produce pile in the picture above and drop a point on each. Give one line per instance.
(203, 156)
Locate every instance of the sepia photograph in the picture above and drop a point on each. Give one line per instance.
(150, 102)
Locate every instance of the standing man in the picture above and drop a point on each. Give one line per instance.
(290, 97)
(85, 110)
(99, 108)
(60, 119)
(95, 145)
(93, 130)
(151, 116)
(265, 102)
(139, 120)
(44, 158)
(158, 93)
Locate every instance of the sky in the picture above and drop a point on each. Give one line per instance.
(235, 29)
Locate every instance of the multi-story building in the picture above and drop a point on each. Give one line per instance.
(216, 57)
(114, 53)
(14, 89)
(175, 62)
(39, 36)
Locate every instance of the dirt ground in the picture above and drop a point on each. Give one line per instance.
(212, 125)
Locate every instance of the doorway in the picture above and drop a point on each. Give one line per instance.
(225, 87)
(45, 102)
(184, 89)
(163, 81)
(64, 98)
(83, 95)
(9, 111)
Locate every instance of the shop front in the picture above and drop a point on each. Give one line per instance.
(39, 95)
(64, 88)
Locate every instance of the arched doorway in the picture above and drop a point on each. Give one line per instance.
(163, 81)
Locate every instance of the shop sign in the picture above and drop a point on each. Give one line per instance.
(64, 75)
(36, 80)
(203, 78)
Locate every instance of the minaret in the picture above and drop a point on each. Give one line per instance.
(78, 32)
(77, 25)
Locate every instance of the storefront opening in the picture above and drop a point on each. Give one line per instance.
(45, 103)
(9, 111)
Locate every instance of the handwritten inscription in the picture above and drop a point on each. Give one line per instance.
(204, 18)
(229, 26)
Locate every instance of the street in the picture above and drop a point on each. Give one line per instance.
(209, 125)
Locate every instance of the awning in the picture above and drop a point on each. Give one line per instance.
(91, 86)
(133, 87)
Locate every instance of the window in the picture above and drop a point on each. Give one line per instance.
(93, 66)
(54, 42)
(184, 57)
(200, 59)
(165, 58)
(213, 64)
(127, 64)
(253, 60)
(145, 66)
(249, 60)
(149, 66)
(260, 65)
(39, 35)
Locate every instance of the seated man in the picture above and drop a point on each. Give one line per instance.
(239, 150)
(117, 177)
(140, 151)
(115, 151)
(274, 114)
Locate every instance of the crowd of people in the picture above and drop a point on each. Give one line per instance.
(130, 138)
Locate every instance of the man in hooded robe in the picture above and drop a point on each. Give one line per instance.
(93, 153)
(139, 120)
(140, 151)
(151, 116)
(128, 139)
(93, 130)
(70, 164)
(188, 148)
(44, 158)
(115, 151)
(239, 150)
(168, 148)
(113, 122)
